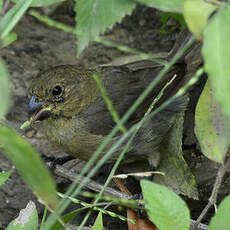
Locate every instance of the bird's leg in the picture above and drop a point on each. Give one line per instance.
(56, 161)
(47, 159)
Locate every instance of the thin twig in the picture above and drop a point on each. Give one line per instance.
(121, 186)
(200, 226)
(67, 174)
(96, 187)
(215, 190)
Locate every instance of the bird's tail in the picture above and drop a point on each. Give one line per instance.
(150, 135)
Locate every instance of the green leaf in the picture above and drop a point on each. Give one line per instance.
(94, 16)
(212, 128)
(4, 90)
(221, 220)
(39, 3)
(27, 219)
(98, 224)
(196, 14)
(8, 39)
(29, 165)
(165, 16)
(165, 209)
(4, 176)
(178, 175)
(216, 53)
(166, 5)
(12, 17)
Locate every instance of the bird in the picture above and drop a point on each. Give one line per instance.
(75, 117)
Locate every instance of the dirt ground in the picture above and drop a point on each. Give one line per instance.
(39, 47)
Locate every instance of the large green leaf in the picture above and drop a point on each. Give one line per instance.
(4, 90)
(29, 165)
(216, 53)
(165, 5)
(39, 3)
(196, 14)
(212, 128)
(94, 16)
(221, 220)
(12, 17)
(165, 209)
(26, 220)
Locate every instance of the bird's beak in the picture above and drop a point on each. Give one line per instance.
(38, 111)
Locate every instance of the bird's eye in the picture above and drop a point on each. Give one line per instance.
(57, 90)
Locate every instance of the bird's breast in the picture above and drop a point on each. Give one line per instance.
(72, 136)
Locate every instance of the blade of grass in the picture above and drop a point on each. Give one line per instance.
(118, 201)
(109, 104)
(43, 219)
(68, 29)
(94, 207)
(12, 17)
(66, 219)
(4, 90)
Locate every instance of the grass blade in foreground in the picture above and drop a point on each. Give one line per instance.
(65, 219)
(29, 165)
(109, 103)
(4, 90)
(12, 17)
(139, 55)
(165, 209)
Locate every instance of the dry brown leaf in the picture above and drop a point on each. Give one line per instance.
(141, 224)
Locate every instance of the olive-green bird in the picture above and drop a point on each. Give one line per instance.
(68, 101)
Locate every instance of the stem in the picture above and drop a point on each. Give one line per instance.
(215, 190)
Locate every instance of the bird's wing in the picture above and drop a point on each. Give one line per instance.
(123, 87)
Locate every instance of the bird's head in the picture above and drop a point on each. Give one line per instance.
(63, 91)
